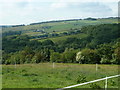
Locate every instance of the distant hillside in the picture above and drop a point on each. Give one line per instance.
(36, 29)
(97, 43)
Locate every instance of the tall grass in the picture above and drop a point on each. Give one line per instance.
(43, 75)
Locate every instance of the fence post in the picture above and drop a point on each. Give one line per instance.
(106, 86)
(15, 64)
(106, 83)
(96, 67)
(53, 65)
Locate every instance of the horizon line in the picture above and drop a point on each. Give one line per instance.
(58, 20)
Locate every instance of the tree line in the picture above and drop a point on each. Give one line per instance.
(101, 45)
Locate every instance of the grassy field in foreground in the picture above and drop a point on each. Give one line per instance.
(43, 75)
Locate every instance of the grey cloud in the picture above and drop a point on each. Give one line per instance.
(91, 7)
(22, 4)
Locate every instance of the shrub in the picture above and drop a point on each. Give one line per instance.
(95, 86)
(81, 79)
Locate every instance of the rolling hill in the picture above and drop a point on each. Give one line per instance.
(36, 29)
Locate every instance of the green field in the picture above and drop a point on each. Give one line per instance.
(62, 38)
(43, 75)
(58, 26)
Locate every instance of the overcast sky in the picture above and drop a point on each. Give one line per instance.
(31, 11)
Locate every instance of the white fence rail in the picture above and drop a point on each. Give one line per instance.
(90, 82)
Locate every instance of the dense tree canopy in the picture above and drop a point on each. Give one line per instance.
(101, 45)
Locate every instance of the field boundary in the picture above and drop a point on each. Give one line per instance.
(90, 82)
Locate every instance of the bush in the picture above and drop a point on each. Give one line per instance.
(105, 61)
(81, 79)
(88, 56)
(55, 57)
(95, 86)
(69, 55)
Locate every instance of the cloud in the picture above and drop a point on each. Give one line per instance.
(93, 7)
(59, 5)
(27, 11)
(22, 4)
(82, 6)
(57, 1)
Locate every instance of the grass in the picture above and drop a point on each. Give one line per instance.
(62, 38)
(59, 26)
(43, 75)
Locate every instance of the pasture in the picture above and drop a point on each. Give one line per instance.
(44, 75)
(58, 26)
(62, 38)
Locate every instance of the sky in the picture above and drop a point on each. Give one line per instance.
(14, 12)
